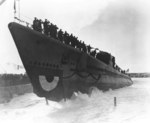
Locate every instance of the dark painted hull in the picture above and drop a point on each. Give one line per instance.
(57, 71)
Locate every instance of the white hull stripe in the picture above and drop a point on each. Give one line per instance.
(48, 86)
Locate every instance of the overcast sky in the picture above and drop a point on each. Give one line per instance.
(120, 27)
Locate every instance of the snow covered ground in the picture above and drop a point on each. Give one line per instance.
(133, 106)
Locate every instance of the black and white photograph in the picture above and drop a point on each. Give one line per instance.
(74, 61)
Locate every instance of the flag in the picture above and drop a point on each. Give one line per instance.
(14, 6)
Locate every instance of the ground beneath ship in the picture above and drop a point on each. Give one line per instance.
(133, 106)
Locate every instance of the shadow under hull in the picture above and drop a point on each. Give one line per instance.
(57, 70)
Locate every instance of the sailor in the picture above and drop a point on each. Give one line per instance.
(89, 49)
(45, 25)
(55, 31)
(50, 30)
(78, 43)
(60, 35)
(66, 39)
(75, 41)
(113, 61)
(72, 40)
(84, 47)
(35, 24)
(93, 53)
(39, 25)
(69, 39)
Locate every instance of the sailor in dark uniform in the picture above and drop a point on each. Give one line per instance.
(113, 61)
(60, 35)
(72, 41)
(35, 24)
(55, 28)
(84, 47)
(78, 43)
(50, 30)
(89, 49)
(40, 25)
(66, 35)
(45, 25)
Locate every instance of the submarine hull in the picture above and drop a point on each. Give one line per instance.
(57, 70)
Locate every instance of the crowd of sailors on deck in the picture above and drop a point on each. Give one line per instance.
(53, 31)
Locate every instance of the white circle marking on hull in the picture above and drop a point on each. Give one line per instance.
(48, 86)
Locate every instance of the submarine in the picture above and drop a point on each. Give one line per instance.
(57, 70)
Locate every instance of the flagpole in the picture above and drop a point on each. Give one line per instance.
(19, 9)
(14, 9)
